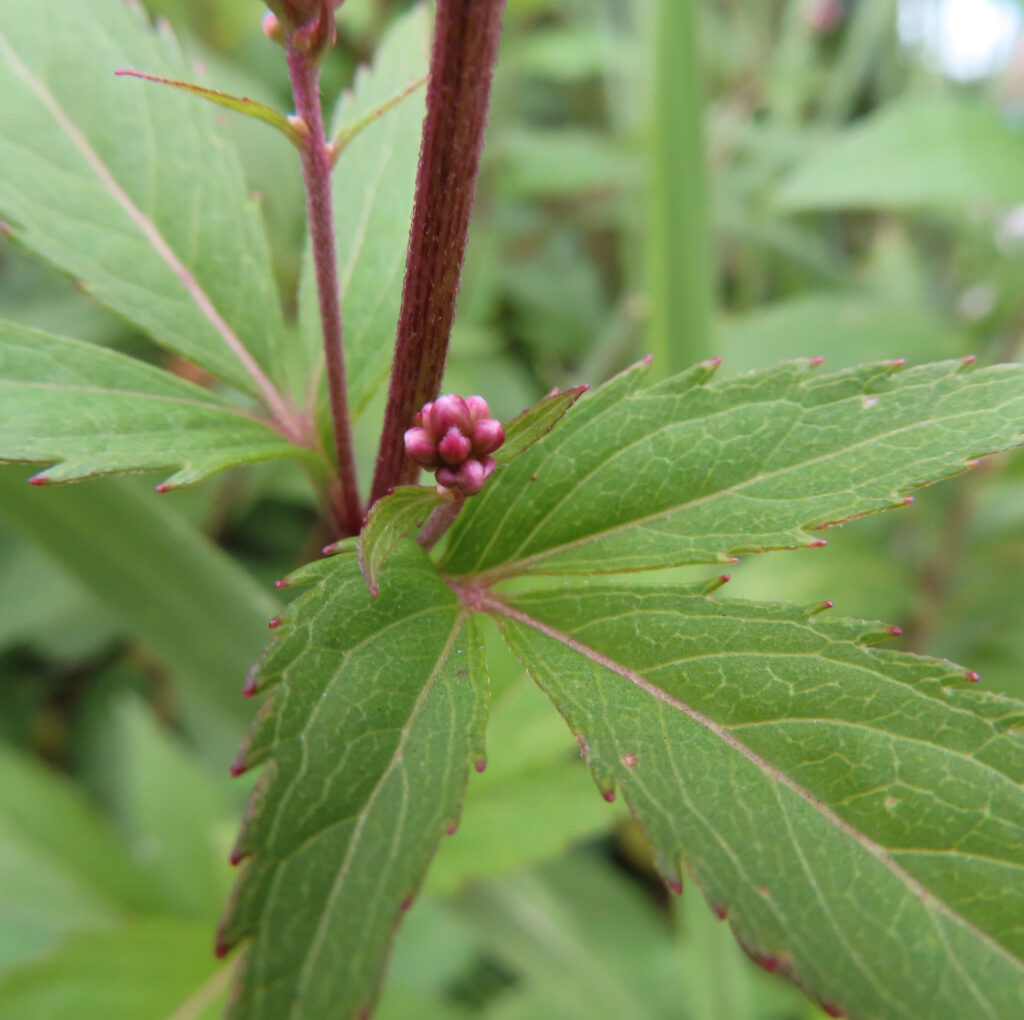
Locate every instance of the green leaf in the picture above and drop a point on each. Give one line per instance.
(535, 422)
(61, 868)
(913, 153)
(163, 581)
(688, 472)
(856, 812)
(97, 411)
(155, 970)
(375, 716)
(137, 192)
(374, 183)
(389, 521)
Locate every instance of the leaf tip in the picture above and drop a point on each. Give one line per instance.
(972, 677)
(816, 362)
(221, 947)
(830, 1009)
(965, 363)
(274, 622)
(250, 688)
(895, 631)
(39, 480)
(162, 488)
(282, 583)
(609, 796)
(480, 764)
(238, 766)
(720, 911)
(818, 543)
(675, 886)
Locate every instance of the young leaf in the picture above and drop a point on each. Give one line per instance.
(96, 411)
(135, 191)
(536, 422)
(687, 472)
(375, 716)
(389, 521)
(375, 180)
(855, 812)
(237, 104)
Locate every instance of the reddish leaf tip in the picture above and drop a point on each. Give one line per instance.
(816, 361)
(480, 764)
(819, 543)
(972, 676)
(675, 886)
(407, 902)
(895, 631)
(720, 912)
(832, 1011)
(725, 578)
(282, 583)
(162, 488)
(969, 360)
(38, 480)
(609, 795)
(907, 500)
(897, 363)
(647, 359)
(274, 622)
(828, 604)
(238, 767)
(451, 828)
(237, 856)
(249, 688)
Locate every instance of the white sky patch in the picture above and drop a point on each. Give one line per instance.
(965, 39)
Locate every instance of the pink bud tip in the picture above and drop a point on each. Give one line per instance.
(38, 480)
(969, 360)
(328, 550)
(478, 409)
(488, 435)
(828, 604)
(420, 447)
(895, 631)
(449, 411)
(272, 28)
(675, 886)
(480, 764)
(274, 622)
(712, 362)
(725, 578)
(816, 361)
(898, 362)
(249, 688)
(609, 795)
(907, 500)
(972, 676)
(454, 448)
(647, 359)
(162, 487)
(283, 583)
(819, 543)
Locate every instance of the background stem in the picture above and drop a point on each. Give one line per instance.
(316, 172)
(466, 37)
(679, 247)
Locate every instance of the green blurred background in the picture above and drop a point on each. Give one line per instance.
(760, 180)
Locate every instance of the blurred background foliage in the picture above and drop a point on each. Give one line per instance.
(762, 181)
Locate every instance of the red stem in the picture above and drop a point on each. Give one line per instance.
(466, 36)
(316, 171)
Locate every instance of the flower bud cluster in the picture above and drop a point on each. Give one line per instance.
(455, 437)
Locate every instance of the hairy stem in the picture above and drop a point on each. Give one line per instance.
(466, 37)
(440, 521)
(316, 172)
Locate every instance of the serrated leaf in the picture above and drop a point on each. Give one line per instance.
(693, 472)
(96, 411)
(135, 191)
(536, 422)
(913, 153)
(856, 812)
(367, 753)
(374, 183)
(389, 521)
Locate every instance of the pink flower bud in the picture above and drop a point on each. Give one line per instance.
(473, 474)
(488, 435)
(420, 447)
(447, 412)
(423, 416)
(478, 409)
(454, 448)
(272, 28)
(447, 477)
